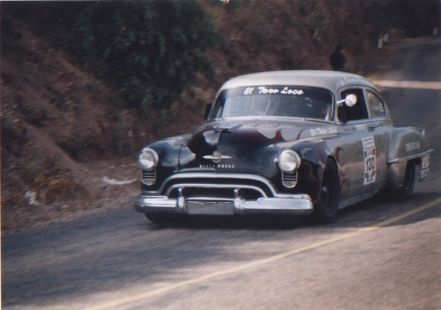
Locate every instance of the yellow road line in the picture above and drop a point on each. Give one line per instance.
(260, 262)
(409, 84)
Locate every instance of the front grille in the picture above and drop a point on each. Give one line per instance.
(233, 183)
(289, 180)
(195, 192)
(225, 186)
(149, 177)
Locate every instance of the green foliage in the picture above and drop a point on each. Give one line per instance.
(151, 50)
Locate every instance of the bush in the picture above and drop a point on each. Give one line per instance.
(150, 50)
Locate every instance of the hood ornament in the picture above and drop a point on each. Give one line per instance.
(216, 157)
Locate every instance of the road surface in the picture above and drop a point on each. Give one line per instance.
(380, 254)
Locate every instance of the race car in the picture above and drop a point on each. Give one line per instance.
(283, 142)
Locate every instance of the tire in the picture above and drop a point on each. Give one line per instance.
(410, 179)
(325, 210)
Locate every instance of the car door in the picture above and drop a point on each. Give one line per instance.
(364, 144)
(379, 127)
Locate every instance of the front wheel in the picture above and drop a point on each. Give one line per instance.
(325, 210)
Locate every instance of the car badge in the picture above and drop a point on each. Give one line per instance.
(216, 157)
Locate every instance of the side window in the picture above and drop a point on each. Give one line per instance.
(375, 105)
(356, 112)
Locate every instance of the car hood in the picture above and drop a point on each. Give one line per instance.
(245, 146)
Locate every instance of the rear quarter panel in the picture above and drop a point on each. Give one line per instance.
(406, 144)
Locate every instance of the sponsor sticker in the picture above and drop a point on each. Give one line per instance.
(284, 90)
(425, 162)
(323, 131)
(370, 160)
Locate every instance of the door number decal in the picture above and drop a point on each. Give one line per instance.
(370, 160)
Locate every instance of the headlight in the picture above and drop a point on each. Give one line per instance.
(288, 161)
(148, 159)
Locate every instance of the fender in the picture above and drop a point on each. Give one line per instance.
(405, 144)
(314, 154)
(169, 151)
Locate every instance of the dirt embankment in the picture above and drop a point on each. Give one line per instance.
(55, 118)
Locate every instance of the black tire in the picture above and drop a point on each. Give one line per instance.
(325, 210)
(410, 179)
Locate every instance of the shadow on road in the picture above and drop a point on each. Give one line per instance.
(366, 213)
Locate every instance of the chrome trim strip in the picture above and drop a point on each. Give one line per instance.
(208, 185)
(152, 179)
(201, 198)
(215, 175)
(397, 160)
(217, 158)
(289, 180)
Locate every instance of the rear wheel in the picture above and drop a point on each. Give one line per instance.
(325, 210)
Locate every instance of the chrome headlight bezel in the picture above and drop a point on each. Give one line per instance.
(148, 159)
(288, 161)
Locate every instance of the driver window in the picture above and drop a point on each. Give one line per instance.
(356, 112)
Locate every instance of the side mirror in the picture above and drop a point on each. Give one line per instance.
(350, 100)
(207, 110)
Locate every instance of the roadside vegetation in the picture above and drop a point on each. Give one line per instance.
(148, 51)
(85, 84)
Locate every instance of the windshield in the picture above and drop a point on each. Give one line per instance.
(274, 101)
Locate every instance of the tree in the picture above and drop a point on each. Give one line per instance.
(150, 50)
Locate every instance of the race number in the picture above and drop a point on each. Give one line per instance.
(370, 160)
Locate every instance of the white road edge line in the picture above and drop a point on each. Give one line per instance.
(145, 295)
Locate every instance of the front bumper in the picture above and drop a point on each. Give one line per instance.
(292, 204)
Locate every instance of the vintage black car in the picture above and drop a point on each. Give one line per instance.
(283, 142)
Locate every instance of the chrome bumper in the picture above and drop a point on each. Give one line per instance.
(294, 204)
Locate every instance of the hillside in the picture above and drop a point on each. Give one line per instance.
(55, 119)
(64, 128)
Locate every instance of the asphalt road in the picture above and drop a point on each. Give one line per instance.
(380, 254)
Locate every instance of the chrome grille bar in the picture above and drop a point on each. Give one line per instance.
(213, 185)
(262, 183)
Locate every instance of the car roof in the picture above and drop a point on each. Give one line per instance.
(332, 80)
